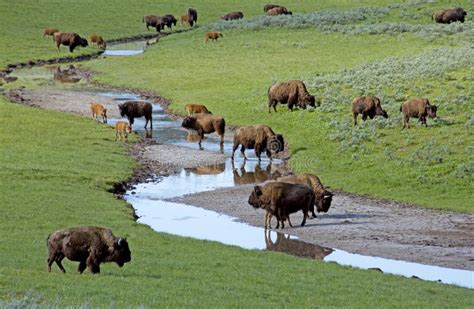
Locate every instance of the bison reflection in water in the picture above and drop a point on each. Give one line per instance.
(243, 177)
(66, 76)
(295, 247)
(214, 169)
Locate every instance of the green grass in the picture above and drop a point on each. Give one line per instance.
(55, 172)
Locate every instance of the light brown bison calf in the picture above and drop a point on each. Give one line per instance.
(323, 197)
(205, 124)
(449, 16)
(50, 31)
(97, 39)
(417, 108)
(293, 93)
(122, 129)
(213, 36)
(192, 109)
(280, 199)
(70, 39)
(279, 10)
(88, 245)
(368, 106)
(258, 137)
(98, 110)
(233, 16)
(184, 19)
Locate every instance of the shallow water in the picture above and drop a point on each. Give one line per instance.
(129, 48)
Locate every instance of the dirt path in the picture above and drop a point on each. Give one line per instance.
(355, 224)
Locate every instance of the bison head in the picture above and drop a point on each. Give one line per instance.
(122, 109)
(254, 198)
(380, 112)
(276, 143)
(83, 42)
(431, 110)
(324, 202)
(189, 123)
(120, 253)
(311, 101)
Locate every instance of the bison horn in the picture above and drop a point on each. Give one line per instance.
(327, 196)
(119, 242)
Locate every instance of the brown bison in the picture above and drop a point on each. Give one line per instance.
(323, 197)
(132, 109)
(279, 10)
(417, 108)
(98, 110)
(258, 137)
(192, 109)
(70, 39)
(267, 7)
(50, 31)
(88, 245)
(280, 199)
(154, 21)
(292, 92)
(368, 106)
(122, 129)
(233, 16)
(169, 20)
(213, 36)
(184, 19)
(97, 39)
(192, 17)
(205, 124)
(449, 16)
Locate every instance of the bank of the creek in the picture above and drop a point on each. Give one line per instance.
(202, 194)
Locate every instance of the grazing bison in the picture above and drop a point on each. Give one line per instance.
(169, 20)
(98, 110)
(323, 197)
(449, 16)
(50, 31)
(97, 39)
(213, 36)
(205, 124)
(267, 7)
(367, 106)
(417, 108)
(233, 16)
(279, 10)
(122, 129)
(192, 17)
(292, 92)
(88, 245)
(70, 39)
(154, 21)
(132, 109)
(192, 109)
(258, 137)
(280, 199)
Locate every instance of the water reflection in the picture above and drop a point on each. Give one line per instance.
(207, 170)
(243, 176)
(68, 75)
(291, 245)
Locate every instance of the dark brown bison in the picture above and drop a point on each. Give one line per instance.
(368, 106)
(132, 109)
(449, 16)
(244, 177)
(169, 20)
(292, 92)
(280, 199)
(213, 36)
(267, 7)
(70, 39)
(279, 10)
(192, 17)
(192, 109)
(295, 247)
(154, 21)
(323, 197)
(50, 31)
(205, 124)
(233, 16)
(417, 108)
(88, 245)
(258, 137)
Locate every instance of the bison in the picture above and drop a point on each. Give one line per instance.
(70, 39)
(292, 92)
(122, 129)
(192, 16)
(88, 245)
(98, 110)
(279, 10)
(280, 199)
(154, 21)
(258, 137)
(184, 19)
(97, 39)
(367, 106)
(192, 109)
(449, 16)
(132, 109)
(169, 20)
(267, 7)
(417, 108)
(233, 16)
(205, 124)
(50, 31)
(213, 36)
(323, 197)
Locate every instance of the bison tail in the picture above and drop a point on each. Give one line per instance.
(401, 107)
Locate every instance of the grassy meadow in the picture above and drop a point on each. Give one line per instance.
(57, 169)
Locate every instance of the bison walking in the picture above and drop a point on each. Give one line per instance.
(70, 39)
(132, 109)
(368, 106)
(88, 245)
(417, 108)
(293, 93)
(205, 124)
(258, 137)
(233, 16)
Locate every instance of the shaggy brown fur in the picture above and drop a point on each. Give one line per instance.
(279, 10)
(192, 109)
(192, 17)
(449, 16)
(323, 197)
(98, 110)
(292, 92)
(97, 39)
(50, 31)
(89, 245)
(205, 124)
(367, 106)
(154, 21)
(132, 109)
(213, 36)
(280, 200)
(70, 39)
(417, 108)
(233, 16)
(258, 137)
(267, 7)
(122, 129)
(169, 20)
(184, 19)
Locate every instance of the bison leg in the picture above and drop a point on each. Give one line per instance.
(269, 155)
(60, 265)
(51, 260)
(406, 119)
(242, 150)
(71, 48)
(364, 116)
(305, 215)
(354, 117)
(289, 222)
(82, 266)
